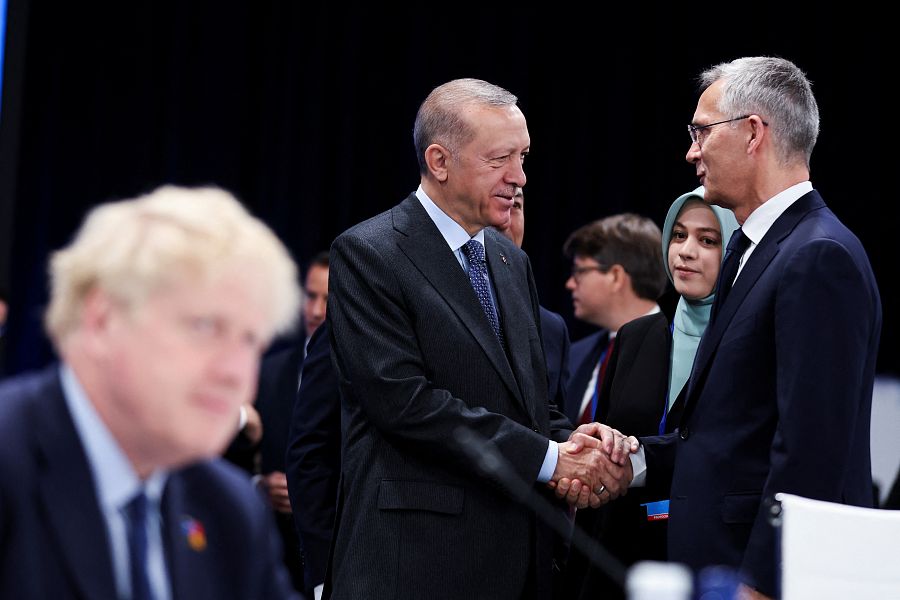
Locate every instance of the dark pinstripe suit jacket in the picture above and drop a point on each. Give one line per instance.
(417, 361)
(780, 397)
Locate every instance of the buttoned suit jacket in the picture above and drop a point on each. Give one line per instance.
(420, 369)
(780, 396)
(313, 461)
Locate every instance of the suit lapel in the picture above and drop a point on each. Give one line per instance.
(512, 312)
(427, 250)
(756, 265)
(70, 500)
(184, 538)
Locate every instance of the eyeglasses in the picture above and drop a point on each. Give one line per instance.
(695, 131)
(578, 272)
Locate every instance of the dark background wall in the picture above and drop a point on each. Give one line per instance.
(306, 114)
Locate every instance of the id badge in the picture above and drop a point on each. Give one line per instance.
(657, 511)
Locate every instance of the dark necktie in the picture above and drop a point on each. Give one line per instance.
(593, 407)
(478, 277)
(136, 517)
(737, 245)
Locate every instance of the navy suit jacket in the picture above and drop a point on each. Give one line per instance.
(780, 396)
(53, 538)
(583, 357)
(556, 353)
(279, 376)
(418, 364)
(313, 462)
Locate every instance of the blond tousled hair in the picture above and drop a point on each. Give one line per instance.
(132, 248)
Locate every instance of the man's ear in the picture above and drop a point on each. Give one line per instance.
(437, 159)
(620, 276)
(758, 134)
(97, 311)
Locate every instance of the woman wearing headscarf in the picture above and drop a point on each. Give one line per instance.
(650, 365)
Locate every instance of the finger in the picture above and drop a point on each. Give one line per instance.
(579, 441)
(562, 487)
(584, 497)
(588, 429)
(616, 485)
(622, 451)
(574, 492)
(607, 438)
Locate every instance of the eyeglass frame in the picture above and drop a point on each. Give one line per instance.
(577, 272)
(694, 130)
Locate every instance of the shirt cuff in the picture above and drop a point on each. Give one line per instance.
(639, 468)
(549, 465)
(317, 591)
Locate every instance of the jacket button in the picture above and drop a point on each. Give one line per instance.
(684, 433)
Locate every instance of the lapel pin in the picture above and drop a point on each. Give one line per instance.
(503, 258)
(194, 533)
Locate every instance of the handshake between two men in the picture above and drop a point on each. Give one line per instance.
(594, 466)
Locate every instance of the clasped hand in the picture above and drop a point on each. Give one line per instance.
(593, 466)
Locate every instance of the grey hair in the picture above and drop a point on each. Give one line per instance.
(776, 90)
(440, 118)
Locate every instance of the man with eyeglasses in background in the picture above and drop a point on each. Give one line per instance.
(617, 276)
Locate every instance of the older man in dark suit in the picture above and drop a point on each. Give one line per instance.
(160, 310)
(437, 345)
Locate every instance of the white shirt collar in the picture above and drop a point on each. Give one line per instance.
(453, 232)
(761, 220)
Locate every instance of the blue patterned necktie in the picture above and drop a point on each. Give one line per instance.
(478, 277)
(136, 517)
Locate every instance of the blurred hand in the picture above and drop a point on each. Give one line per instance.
(253, 429)
(275, 485)
(748, 593)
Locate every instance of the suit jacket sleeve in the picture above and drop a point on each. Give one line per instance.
(380, 364)
(826, 314)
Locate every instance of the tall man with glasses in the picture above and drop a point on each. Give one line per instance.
(780, 396)
(617, 276)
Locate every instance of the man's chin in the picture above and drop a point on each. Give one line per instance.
(503, 222)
